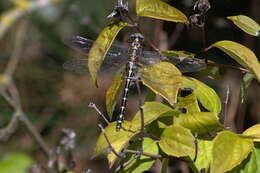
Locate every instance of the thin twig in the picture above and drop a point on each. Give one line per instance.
(196, 148)
(17, 50)
(93, 105)
(226, 105)
(109, 144)
(125, 164)
(243, 70)
(6, 132)
(35, 134)
(154, 156)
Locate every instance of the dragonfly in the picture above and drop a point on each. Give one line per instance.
(118, 56)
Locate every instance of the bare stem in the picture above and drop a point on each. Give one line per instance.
(154, 156)
(109, 144)
(226, 105)
(93, 105)
(243, 70)
(17, 50)
(35, 134)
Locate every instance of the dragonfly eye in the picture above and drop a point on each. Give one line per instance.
(136, 35)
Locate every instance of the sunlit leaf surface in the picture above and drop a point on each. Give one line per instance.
(159, 10)
(112, 93)
(207, 97)
(188, 82)
(253, 131)
(177, 141)
(204, 155)
(15, 163)
(163, 79)
(143, 163)
(200, 122)
(229, 150)
(101, 46)
(189, 102)
(245, 23)
(252, 164)
(241, 54)
(152, 110)
(118, 139)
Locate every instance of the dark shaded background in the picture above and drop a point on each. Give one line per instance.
(54, 98)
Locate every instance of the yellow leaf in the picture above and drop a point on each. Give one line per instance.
(177, 141)
(207, 97)
(228, 151)
(159, 10)
(200, 122)
(241, 54)
(253, 131)
(163, 79)
(112, 93)
(151, 110)
(118, 140)
(245, 23)
(189, 102)
(101, 46)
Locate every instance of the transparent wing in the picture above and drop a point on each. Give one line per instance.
(184, 64)
(85, 45)
(188, 64)
(80, 65)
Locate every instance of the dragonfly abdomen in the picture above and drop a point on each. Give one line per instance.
(130, 66)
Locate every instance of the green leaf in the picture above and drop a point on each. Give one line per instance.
(251, 164)
(177, 141)
(112, 93)
(241, 54)
(118, 140)
(188, 82)
(159, 10)
(189, 102)
(163, 79)
(100, 47)
(143, 163)
(200, 122)
(245, 23)
(253, 131)
(15, 163)
(247, 79)
(177, 54)
(207, 97)
(229, 150)
(204, 155)
(151, 110)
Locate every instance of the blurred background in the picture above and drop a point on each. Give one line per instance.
(54, 98)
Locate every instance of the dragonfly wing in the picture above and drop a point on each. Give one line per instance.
(188, 64)
(80, 65)
(85, 45)
(185, 65)
(150, 58)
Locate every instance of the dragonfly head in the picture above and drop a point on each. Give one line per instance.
(135, 36)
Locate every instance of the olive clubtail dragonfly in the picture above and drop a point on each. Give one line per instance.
(118, 55)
